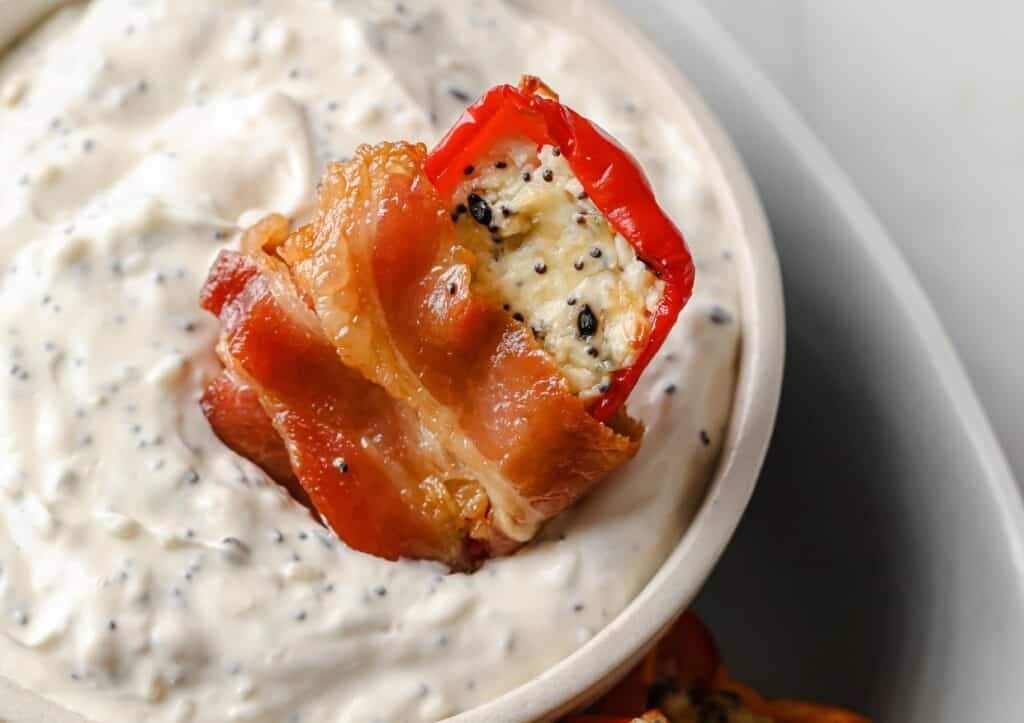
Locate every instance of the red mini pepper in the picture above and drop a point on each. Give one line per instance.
(608, 173)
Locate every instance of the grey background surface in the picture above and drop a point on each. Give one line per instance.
(880, 564)
(922, 103)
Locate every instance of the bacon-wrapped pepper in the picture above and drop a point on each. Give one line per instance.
(431, 395)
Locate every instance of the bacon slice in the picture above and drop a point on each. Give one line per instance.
(374, 473)
(391, 287)
(236, 415)
(420, 420)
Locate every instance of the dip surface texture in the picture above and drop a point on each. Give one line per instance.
(146, 572)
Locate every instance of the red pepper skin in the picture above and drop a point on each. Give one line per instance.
(608, 173)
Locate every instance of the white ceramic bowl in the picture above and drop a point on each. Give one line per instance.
(594, 668)
(590, 671)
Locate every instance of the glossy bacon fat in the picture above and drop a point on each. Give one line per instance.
(421, 420)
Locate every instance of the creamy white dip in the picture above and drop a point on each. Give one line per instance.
(146, 572)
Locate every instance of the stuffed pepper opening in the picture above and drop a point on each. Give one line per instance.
(567, 233)
(547, 254)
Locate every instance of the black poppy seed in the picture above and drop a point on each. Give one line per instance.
(112, 625)
(380, 591)
(506, 307)
(571, 301)
(556, 151)
(88, 144)
(719, 315)
(581, 218)
(332, 105)
(479, 209)
(586, 322)
(577, 608)
(329, 587)
(548, 175)
(459, 94)
(461, 208)
(603, 387)
(293, 73)
(596, 252)
(500, 164)
(582, 195)
(277, 536)
(506, 211)
(452, 288)
(592, 351)
(303, 535)
(192, 477)
(341, 465)
(578, 264)
(670, 389)
(526, 176)
(142, 86)
(518, 317)
(704, 438)
(540, 267)
(492, 228)
(300, 616)
(468, 170)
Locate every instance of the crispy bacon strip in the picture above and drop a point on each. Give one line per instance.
(391, 287)
(236, 415)
(368, 466)
(420, 421)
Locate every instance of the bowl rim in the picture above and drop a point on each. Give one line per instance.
(581, 677)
